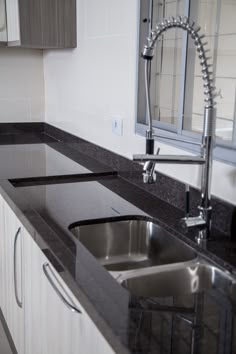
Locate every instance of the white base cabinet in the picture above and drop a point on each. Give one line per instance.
(42, 314)
(52, 326)
(12, 299)
(2, 254)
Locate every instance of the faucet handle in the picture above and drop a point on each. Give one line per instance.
(158, 151)
(187, 201)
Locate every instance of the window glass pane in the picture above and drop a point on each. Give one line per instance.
(217, 21)
(166, 65)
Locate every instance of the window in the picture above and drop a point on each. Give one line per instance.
(176, 85)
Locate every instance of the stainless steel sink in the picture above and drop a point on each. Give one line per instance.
(147, 260)
(175, 280)
(134, 243)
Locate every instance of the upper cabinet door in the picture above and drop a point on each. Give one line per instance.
(58, 23)
(3, 21)
(41, 23)
(31, 23)
(13, 24)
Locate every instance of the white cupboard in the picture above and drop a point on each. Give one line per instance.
(2, 253)
(42, 314)
(55, 320)
(13, 283)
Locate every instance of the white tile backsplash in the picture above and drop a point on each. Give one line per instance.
(21, 85)
(96, 26)
(14, 109)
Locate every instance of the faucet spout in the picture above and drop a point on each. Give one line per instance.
(173, 159)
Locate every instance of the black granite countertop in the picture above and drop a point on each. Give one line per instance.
(199, 323)
(44, 158)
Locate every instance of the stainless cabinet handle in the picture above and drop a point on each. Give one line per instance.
(47, 267)
(19, 303)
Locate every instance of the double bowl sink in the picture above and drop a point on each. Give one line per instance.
(147, 260)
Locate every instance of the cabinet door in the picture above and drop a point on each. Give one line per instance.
(47, 320)
(3, 22)
(33, 298)
(52, 322)
(47, 23)
(85, 336)
(31, 22)
(13, 22)
(2, 254)
(67, 320)
(58, 23)
(13, 301)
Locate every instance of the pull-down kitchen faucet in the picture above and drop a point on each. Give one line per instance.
(203, 220)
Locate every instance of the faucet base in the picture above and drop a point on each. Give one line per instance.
(149, 177)
(202, 238)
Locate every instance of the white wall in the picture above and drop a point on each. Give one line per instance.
(21, 85)
(86, 87)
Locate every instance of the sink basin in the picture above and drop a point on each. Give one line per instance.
(147, 260)
(175, 280)
(132, 243)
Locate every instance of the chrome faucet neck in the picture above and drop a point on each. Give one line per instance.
(185, 24)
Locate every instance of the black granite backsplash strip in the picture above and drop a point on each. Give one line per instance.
(21, 128)
(23, 133)
(25, 138)
(85, 160)
(166, 188)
